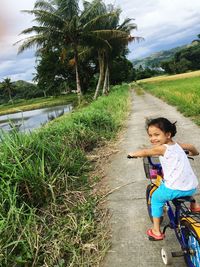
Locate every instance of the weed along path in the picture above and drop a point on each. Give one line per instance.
(129, 220)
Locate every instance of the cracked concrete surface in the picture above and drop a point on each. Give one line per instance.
(129, 220)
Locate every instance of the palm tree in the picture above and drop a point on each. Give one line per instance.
(63, 27)
(58, 28)
(115, 38)
(105, 32)
(7, 85)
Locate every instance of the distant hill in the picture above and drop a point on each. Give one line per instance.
(21, 83)
(20, 90)
(154, 60)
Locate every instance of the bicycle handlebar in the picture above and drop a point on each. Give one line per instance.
(130, 157)
(158, 165)
(150, 161)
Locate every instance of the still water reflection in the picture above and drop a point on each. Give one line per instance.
(28, 120)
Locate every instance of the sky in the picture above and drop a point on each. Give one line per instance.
(164, 24)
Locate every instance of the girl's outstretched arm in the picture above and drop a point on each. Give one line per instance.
(192, 149)
(155, 151)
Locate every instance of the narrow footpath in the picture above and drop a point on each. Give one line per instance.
(127, 205)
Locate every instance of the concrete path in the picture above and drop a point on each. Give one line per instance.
(129, 221)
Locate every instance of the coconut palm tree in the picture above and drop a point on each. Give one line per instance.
(106, 32)
(62, 26)
(58, 28)
(7, 85)
(117, 44)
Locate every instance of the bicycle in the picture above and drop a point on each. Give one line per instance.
(185, 223)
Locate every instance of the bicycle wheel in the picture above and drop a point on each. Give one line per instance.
(149, 191)
(192, 242)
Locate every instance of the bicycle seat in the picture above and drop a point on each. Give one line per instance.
(183, 199)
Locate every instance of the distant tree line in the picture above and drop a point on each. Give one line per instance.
(146, 72)
(79, 49)
(187, 59)
(180, 60)
(12, 91)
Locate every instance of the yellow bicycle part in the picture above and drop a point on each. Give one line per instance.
(193, 223)
(154, 185)
(158, 180)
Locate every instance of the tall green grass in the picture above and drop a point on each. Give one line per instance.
(183, 93)
(49, 215)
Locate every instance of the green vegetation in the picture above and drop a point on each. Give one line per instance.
(155, 60)
(10, 92)
(50, 215)
(183, 92)
(35, 103)
(7, 86)
(75, 48)
(174, 61)
(187, 59)
(144, 73)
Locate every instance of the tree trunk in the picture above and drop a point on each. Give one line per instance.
(105, 85)
(78, 84)
(9, 93)
(101, 74)
(108, 84)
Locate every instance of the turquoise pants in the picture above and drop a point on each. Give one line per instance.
(163, 194)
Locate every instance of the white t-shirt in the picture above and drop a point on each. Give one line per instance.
(178, 173)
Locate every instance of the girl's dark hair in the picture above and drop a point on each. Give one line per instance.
(163, 124)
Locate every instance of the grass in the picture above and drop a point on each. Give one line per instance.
(49, 214)
(182, 91)
(172, 77)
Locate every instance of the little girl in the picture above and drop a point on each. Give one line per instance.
(179, 178)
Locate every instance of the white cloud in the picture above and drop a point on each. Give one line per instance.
(18, 67)
(13, 21)
(163, 23)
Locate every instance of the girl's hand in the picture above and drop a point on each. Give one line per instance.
(190, 148)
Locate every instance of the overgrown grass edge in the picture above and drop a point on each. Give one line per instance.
(49, 213)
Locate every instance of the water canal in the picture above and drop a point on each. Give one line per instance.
(26, 121)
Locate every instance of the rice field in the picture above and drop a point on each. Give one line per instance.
(36, 103)
(182, 91)
(172, 77)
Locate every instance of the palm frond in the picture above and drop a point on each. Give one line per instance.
(30, 42)
(36, 29)
(44, 5)
(127, 26)
(91, 10)
(94, 41)
(99, 22)
(135, 38)
(110, 34)
(67, 8)
(46, 18)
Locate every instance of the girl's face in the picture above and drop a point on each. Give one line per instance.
(157, 136)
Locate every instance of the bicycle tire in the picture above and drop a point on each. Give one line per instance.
(149, 190)
(192, 242)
